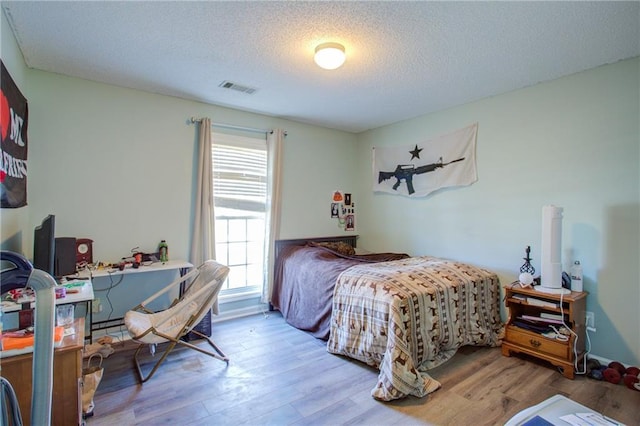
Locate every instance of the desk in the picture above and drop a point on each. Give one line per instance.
(66, 404)
(84, 295)
(181, 265)
(99, 275)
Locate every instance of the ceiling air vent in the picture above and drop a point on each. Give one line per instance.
(234, 86)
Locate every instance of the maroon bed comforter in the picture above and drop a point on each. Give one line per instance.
(305, 277)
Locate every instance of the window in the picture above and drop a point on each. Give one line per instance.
(239, 192)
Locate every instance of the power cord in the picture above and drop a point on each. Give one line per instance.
(108, 289)
(575, 342)
(111, 287)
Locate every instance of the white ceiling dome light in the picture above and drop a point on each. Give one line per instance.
(329, 55)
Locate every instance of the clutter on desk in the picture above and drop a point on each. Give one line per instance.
(20, 295)
(61, 292)
(163, 250)
(16, 342)
(136, 259)
(64, 317)
(75, 286)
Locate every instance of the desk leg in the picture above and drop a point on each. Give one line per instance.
(90, 335)
(183, 272)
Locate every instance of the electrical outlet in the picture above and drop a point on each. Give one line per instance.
(591, 321)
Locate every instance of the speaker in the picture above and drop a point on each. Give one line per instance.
(65, 257)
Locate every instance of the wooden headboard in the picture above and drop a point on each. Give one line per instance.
(280, 244)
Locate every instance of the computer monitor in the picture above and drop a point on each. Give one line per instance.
(44, 245)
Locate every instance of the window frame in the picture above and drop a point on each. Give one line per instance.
(242, 142)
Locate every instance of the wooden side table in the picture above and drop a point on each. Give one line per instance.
(528, 302)
(66, 404)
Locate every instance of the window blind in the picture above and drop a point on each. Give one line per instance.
(239, 173)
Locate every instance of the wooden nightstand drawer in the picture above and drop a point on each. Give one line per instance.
(537, 342)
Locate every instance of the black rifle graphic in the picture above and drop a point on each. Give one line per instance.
(406, 171)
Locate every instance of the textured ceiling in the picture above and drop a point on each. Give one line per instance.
(404, 59)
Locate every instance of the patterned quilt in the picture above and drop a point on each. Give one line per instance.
(407, 316)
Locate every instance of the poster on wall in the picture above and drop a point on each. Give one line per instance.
(14, 113)
(420, 169)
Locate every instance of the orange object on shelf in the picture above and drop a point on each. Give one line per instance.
(20, 339)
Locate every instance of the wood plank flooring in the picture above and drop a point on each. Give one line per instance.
(279, 375)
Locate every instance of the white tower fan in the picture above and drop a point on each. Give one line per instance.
(551, 253)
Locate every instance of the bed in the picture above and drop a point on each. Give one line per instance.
(402, 315)
(306, 271)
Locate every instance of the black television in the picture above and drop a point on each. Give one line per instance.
(44, 245)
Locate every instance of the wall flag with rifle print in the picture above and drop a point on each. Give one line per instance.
(420, 169)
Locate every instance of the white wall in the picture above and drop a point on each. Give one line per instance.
(572, 142)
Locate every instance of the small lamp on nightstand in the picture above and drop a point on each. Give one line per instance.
(527, 270)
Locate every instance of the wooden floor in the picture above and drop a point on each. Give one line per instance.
(279, 375)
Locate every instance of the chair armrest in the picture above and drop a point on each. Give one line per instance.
(142, 309)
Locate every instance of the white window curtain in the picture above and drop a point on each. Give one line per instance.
(203, 238)
(275, 140)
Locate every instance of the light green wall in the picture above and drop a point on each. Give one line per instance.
(13, 223)
(573, 142)
(117, 165)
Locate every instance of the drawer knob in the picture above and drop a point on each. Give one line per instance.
(534, 343)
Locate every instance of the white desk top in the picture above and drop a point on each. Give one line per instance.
(84, 295)
(155, 266)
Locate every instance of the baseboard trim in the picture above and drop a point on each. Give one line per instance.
(116, 333)
(605, 361)
(239, 313)
(602, 360)
(120, 333)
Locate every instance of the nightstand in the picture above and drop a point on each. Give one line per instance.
(530, 303)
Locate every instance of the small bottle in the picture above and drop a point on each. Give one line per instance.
(163, 251)
(576, 276)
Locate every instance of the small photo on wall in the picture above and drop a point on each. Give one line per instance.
(350, 224)
(335, 209)
(347, 199)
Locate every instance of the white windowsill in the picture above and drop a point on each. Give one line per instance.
(238, 296)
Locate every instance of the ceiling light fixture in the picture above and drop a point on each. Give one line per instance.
(329, 55)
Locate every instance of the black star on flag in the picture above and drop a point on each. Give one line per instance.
(415, 153)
